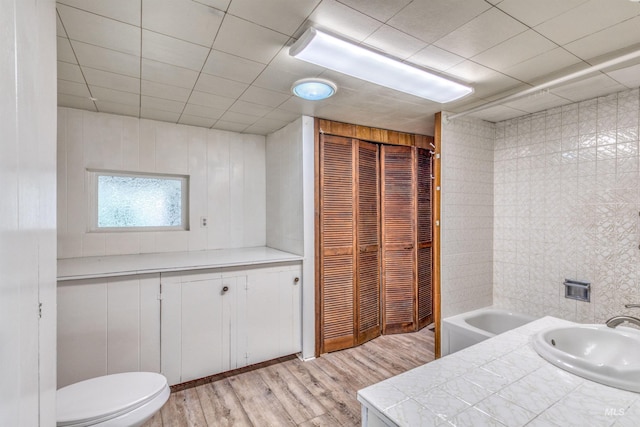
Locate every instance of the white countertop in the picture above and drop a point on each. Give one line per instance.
(500, 381)
(121, 265)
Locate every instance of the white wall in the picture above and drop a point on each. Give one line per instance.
(227, 182)
(567, 198)
(466, 216)
(27, 212)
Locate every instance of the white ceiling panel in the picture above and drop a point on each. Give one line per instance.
(160, 90)
(537, 102)
(435, 58)
(232, 67)
(205, 122)
(222, 5)
(232, 116)
(115, 108)
(97, 30)
(168, 74)
(250, 109)
(106, 59)
(431, 20)
(394, 42)
(71, 101)
(628, 76)
(73, 88)
(587, 18)
(248, 40)
(202, 111)
(284, 16)
(484, 80)
(342, 20)
(114, 81)
(60, 31)
(71, 72)
(281, 115)
(161, 104)
(127, 11)
(119, 97)
(219, 86)
(499, 113)
(230, 126)
(481, 33)
(160, 115)
(262, 96)
(169, 50)
(520, 48)
(591, 87)
(532, 13)
(619, 36)
(65, 53)
(541, 66)
(210, 100)
(382, 10)
(183, 19)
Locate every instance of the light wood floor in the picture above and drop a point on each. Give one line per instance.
(321, 392)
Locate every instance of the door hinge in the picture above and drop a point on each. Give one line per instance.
(40, 310)
(437, 155)
(437, 223)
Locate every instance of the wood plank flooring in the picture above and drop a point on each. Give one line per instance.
(320, 392)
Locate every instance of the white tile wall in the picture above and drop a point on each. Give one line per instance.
(467, 216)
(227, 182)
(567, 198)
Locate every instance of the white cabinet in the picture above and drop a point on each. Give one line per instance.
(218, 321)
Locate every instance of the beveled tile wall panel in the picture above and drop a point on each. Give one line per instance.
(227, 182)
(467, 216)
(567, 197)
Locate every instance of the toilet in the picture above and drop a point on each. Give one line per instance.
(118, 400)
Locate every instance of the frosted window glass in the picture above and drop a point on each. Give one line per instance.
(129, 201)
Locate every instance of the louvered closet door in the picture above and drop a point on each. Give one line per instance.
(425, 239)
(368, 236)
(337, 242)
(398, 239)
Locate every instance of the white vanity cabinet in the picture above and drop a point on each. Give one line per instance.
(216, 321)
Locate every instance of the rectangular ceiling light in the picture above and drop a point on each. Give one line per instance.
(336, 54)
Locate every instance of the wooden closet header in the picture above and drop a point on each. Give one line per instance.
(366, 133)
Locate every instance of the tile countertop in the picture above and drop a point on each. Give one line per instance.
(120, 265)
(499, 382)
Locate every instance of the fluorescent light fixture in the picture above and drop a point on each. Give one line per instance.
(313, 89)
(339, 55)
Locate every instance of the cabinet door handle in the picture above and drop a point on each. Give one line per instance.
(225, 289)
(296, 280)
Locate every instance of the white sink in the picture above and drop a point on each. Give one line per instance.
(596, 352)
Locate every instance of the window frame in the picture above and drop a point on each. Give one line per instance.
(92, 180)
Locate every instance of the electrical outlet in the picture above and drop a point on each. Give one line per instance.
(203, 221)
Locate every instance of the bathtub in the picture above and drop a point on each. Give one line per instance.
(470, 328)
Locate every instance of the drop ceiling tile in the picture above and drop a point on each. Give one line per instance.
(271, 124)
(279, 80)
(205, 112)
(182, 19)
(541, 66)
(160, 90)
(382, 10)
(222, 5)
(232, 67)
(111, 80)
(186, 119)
(65, 53)
(587, 18)
(219, 86)
(536, 12)
(115, 108)
(284, 116)
(122, 10)
(628, 76)
(60, 32)
(73, 88)
(262, 96)
(210, 100)
(100, 31)
(106, 59)
(232, 116)
(70, 72)
(260, 130)
(284, 16)
(342, 20)
(250, 109)
(394, 42)
(591, 87)
(481, 33)
(248, 40)
(526, 45)
(431, 20)
(616, 37)
(163, 116)
(497, 114)
(229, 126)
(435, 58)
(485, 81)
(148, 102)
(301, 107)
(168, 74)
(79, 102)
(119, 97)
(170, 50)
(537, 102)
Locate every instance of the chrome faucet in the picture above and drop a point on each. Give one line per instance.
(617, 320)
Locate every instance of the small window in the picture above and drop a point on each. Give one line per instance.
(138, 202)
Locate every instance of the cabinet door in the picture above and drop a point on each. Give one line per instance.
(272, 327)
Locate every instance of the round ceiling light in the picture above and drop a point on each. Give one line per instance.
(314, 89)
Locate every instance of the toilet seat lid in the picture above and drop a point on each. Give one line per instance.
(102, 398)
